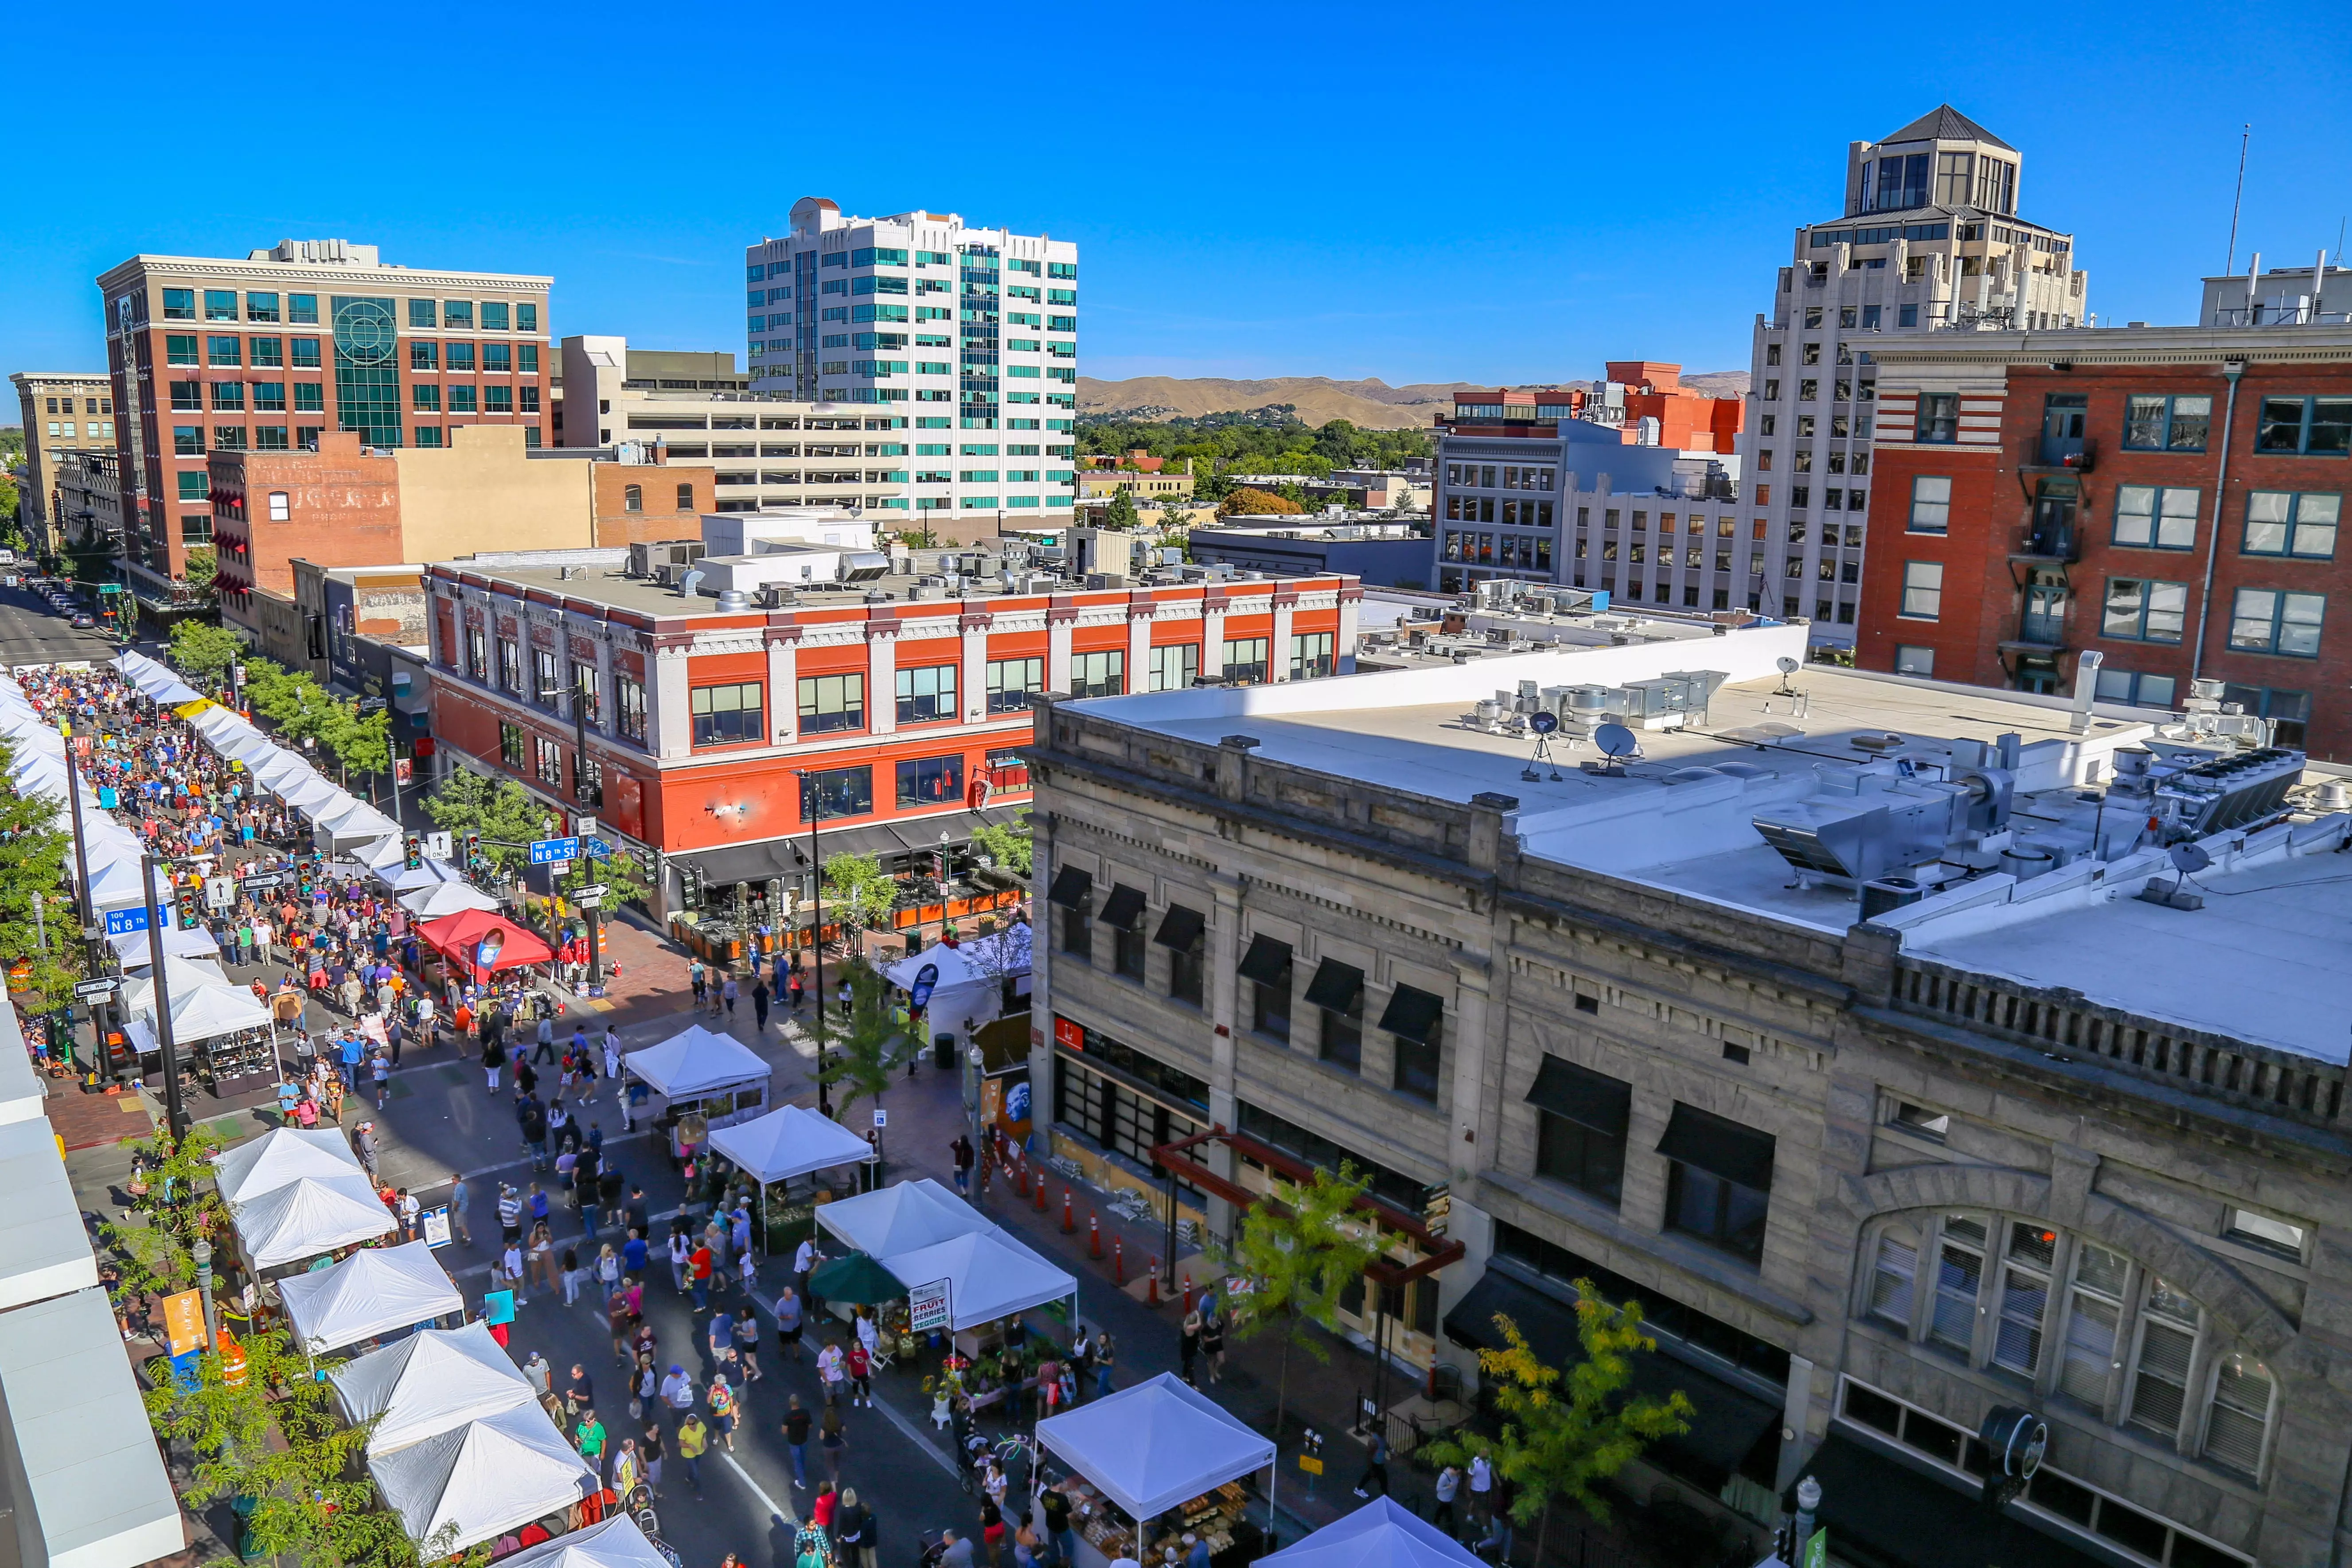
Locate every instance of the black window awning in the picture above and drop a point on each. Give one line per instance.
(1414, 1014)
(1883, 1514)
(1725, 1420)
(1072, 889)
(1336, 986)
(1584, 1097)
(1267, 961)
(1123, 908)
(1181, 929)
(1722, 1147)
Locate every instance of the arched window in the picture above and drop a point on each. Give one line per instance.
(632, 497)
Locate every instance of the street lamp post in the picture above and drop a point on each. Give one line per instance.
(90, 928)
(979, 1140)
(175, 1113)
(813, 809)
(203, 1253)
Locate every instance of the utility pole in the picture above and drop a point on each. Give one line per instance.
(175, 1114)
(813, 809)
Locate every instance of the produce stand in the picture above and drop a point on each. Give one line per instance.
(777, 1149)
(700, 1074)
(1159, 1459)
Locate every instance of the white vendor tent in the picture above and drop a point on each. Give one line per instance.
(374, 1291)
(789, 1142)
(476, 1482)
(447, 899)
(901, 1218)
(131, 949)
(428, 1384)
(208, 1012)
(309, 1217)
(695, 1063)
(990, 1276)
(182, 976)
(1380, 1534)
(615, 1543)
(1156, 1444)
(969, 971)
(281, 1155)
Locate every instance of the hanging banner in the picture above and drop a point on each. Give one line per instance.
(184, 1321)
(927, 1308)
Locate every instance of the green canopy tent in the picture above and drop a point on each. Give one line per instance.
(857, 1279)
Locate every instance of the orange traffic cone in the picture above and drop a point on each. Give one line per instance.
(1151, 1290)
(1069, 1220)
(1094, 1235)
(1118, 1260)
(1041, 1191)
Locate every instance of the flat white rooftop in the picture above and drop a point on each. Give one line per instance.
(2267, 959)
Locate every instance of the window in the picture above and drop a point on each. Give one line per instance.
(2087, 1356)
(1337, 993)
(2154, 423)
(1310, 656)
(302, 310)
(461, 356)
(2156, 517)
(1960, 1277)
(281, 505)
(2135, 691)
(1893, 1277)
(2287, 522)
(931, 781)
(2316, 426)
(220, 304)
(422, 313)
(1098, 674)
(1414, 1021)
(927, 695)
(498, 399)
(1718, 1180)
(1175, 666)
(629, 705)
(228, 395)
(461, 400)
(2268, 620)
(180, 348)
(424, 396)
(727, 715)
(260, 307)
(1245, 660)
(1931, 504)
(511, 750)
(686, 498)
(546, 685)
(225, 351)
(458, 313)
(305, 352)
(2024, 1297)
(1923, 590)
(1072, 892)
(1580, 1117)
(267, 352)
(836, 792)
(2275, 1237)
(1009, 682)
(510, 665)
(195, 487)
(2167, 1344)
(586, 690)
(179, 304)
(525, 318)
(423, 356)
(2143, 611)
(547, 758)
(830, 703)
(1183, 932)
(2239, 1417)
(478, 654)
(494, 316)
(1267, 967)
(2288, 711)
(632, 497)
(1939, 416)
(1910, 658)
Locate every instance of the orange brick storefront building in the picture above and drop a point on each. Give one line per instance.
(2039, 495)
(887, 713)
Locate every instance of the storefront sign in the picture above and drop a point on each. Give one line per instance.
(926, 1306)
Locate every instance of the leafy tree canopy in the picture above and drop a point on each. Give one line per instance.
(1267, 441)
(1248, 502)
(1009, 844)
(34, 847)
(501, 811)
(204, 650)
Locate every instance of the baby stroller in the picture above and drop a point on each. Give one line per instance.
(641, 1509)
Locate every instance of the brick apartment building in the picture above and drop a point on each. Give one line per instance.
(903, 705)
(266, 353)
(65, 416)
(2167, 496)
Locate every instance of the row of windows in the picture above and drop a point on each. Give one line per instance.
(1508, 477)
(2261, 620)
(427, 398)
(189, 440)
(495, 359)
(180, 349)
(187, 396)
(99, 429)
(1809, 390)
(94, 405)
(2164, 516)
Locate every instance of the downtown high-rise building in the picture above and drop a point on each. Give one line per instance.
(957, 347)
(1929, 241)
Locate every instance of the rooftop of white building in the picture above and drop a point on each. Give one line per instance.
(2263, 959)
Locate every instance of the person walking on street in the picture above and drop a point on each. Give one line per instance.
(796, 1436)
(834, 1441)
(832, 1371)
(546, 1051)
(678, 1253)
(1449, 1483)
(1188, 1344)
(367, 1146)
(591, 1438)
(693, 1437)
(1106, 1357)
(723, 1400)
(759, 1005)
(1482, 1487)
(1212, 1343)
(1376, 1467)
(728, 993)
(694, 975)
(460, 1196)
(380, 1069)
(788, 1324)
(962, 1147)
(494, 1057)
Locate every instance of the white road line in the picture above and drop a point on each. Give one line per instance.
(775, 1511)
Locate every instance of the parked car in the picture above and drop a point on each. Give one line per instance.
(83, 619)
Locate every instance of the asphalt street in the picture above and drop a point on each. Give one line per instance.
(33, 633)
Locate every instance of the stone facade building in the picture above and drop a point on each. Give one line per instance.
(2026, 1140)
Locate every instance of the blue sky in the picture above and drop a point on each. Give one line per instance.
(1512, 194)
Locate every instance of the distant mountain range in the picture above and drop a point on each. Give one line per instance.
(1373, 403)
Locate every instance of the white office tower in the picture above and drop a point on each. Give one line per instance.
(963, 339)
(1929, 241)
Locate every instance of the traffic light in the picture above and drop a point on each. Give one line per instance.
(188, 916)
(416, 853)
(473, 851)
(689, 887)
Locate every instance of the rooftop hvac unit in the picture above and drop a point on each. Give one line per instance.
(1876, 822)
(2233, 790)
(863, 566)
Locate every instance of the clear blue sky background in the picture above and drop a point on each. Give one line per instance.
(1508, 193)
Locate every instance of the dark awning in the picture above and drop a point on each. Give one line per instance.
(1336, 986)
(1713, 1143)
(1123, 908)
(1586, 1098)
(1072, 889)
(1267, 961)
(1725, 1420)
(1181, 929)
(1413, 1013)
(788, 856)
(1883, 1514)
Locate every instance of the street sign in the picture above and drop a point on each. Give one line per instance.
(123, 923)
(595, 850)
(1310, 1464)
(589, 898)
(261, 881)
(91, 990)
(585, 827)
(881, 1117)
(437, 1225)
(220, 893)
(547, 851)
(438, 846)
(926, 1306)
(184, 1321)
(1817, 1551)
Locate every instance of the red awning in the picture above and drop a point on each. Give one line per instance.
(459, 938)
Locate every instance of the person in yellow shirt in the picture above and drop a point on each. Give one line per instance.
(693, 1437)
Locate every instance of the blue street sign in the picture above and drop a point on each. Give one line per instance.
(123, 923)
(595, 850)
(546, 851)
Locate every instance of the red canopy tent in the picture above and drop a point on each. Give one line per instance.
(461, 937)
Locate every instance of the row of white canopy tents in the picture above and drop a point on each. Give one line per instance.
(923, 1233)
(296, 1195)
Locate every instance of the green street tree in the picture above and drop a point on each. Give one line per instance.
(1564, 1433)
(203, 568)
(362, 742)
(618, 873)
(38, 923)
(858, 894)
(865, 1053)
(181, 1206)
(204, 650)
(1298, 1254)
(1011, 845)
(501, 811)
(1122, 513)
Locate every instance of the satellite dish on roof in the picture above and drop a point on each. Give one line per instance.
(1788, 666)
(1543, 723)
(2188, 857)
(1615, 741)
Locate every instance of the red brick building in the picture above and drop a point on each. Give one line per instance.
(2170, 496)
(1688, 420)
(338, 506)
(905, 708)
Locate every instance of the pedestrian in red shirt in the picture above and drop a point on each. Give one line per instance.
(697, 1269)
(860, 1368)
